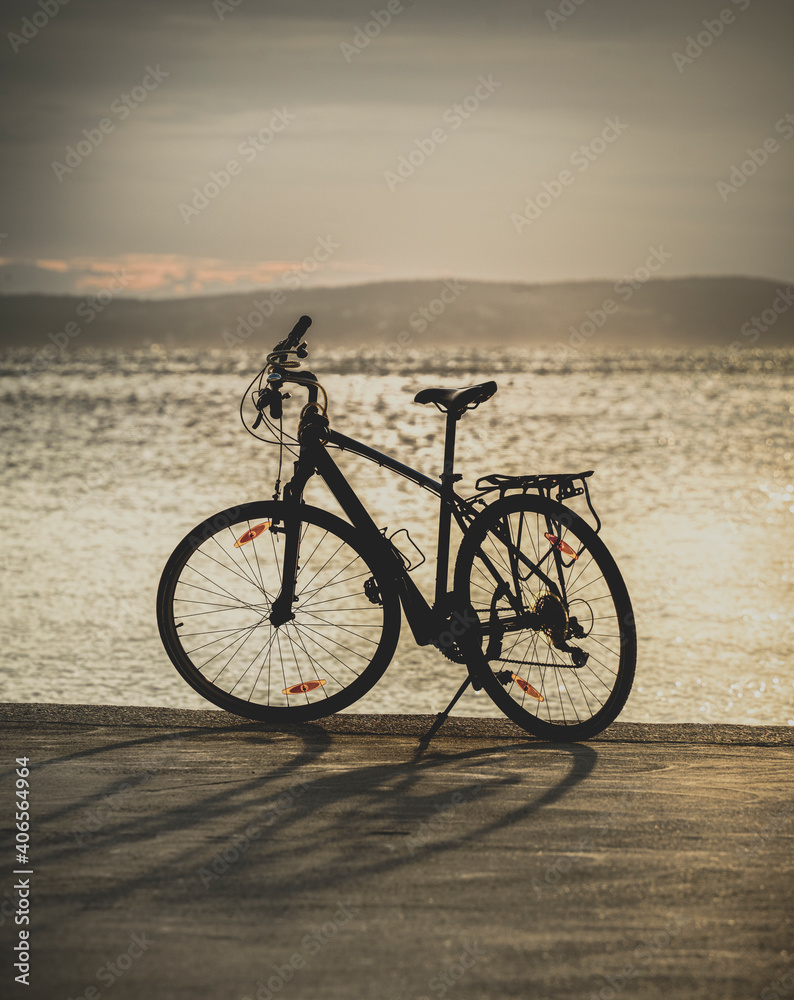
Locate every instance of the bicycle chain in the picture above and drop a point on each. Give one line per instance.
(537, 663)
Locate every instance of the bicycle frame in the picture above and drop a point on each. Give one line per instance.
(426, 621)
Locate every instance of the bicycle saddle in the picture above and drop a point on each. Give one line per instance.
(457, 399)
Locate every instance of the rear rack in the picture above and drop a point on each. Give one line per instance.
(565, 483)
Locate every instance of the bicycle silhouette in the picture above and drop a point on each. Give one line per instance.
(281, 611)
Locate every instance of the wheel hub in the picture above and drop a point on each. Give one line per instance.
(551, 616)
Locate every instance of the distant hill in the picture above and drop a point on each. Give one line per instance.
(693, 312)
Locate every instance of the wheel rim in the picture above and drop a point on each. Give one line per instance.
(219, 607)
(530, 676)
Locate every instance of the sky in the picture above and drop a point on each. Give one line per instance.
(197, 147)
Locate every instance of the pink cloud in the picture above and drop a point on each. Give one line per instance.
(52, 265)
(172, 272)
(159, 275)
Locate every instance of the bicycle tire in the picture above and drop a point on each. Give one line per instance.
(224, 576)
(535, 683)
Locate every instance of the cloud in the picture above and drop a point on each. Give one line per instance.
(163, 275)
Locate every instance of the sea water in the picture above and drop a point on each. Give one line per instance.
(111, 458)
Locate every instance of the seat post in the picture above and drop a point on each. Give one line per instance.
(449, 445)
(448, 478)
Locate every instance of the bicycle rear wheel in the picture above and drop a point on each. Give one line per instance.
(555, 616)
(215, 598)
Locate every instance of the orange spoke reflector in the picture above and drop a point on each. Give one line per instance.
(303, 688)
(526, 686)
(558, 543)
(252, 533)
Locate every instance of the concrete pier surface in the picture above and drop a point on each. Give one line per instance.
(189, 854)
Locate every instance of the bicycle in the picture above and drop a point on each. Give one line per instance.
(283, 612)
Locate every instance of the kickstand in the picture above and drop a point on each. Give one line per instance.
(441, 717)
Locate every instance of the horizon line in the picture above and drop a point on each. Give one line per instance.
(364, 283)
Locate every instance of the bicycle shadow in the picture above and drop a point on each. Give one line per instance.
(320, 818)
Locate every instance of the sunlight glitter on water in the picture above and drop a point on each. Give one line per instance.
(111, 459)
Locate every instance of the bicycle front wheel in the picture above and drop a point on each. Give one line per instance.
(555, 616)
(215, 599)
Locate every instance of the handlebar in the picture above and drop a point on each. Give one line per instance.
(280, 369)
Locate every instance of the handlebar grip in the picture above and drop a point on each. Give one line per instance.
(296, 335)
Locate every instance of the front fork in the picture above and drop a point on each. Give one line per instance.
(281, 610)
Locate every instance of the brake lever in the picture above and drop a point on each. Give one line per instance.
(260, 403)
